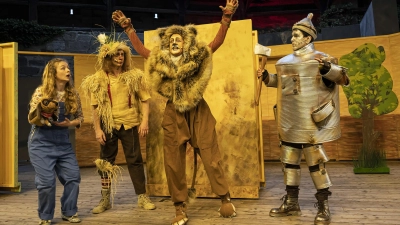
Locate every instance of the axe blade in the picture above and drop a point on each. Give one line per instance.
(262, 50)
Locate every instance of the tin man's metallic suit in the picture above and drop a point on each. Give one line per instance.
(307, 111)
(307, 115)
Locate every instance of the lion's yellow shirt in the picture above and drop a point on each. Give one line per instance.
(122, 113)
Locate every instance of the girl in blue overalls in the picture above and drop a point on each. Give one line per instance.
(50, 149)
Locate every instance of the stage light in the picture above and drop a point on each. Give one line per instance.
(155, 16)
(71, 11)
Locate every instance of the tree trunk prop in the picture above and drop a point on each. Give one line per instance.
(371, 159)
(369, 94)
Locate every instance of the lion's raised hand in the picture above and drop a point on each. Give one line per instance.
(230, 8)
(228, 11)
(119, 17)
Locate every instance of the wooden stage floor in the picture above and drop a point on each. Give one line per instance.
(357, 199)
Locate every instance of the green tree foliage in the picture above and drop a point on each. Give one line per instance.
(26, 33)
(369, 94)
(371, 84)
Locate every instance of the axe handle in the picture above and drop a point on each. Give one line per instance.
(259, 82)
(263, 61)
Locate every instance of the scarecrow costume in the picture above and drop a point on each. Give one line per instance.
(117, 100)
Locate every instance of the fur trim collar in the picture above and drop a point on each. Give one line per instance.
(185, 84)
(188, 34)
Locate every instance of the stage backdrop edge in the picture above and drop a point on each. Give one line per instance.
(9, 117)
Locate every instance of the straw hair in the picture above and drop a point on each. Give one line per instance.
(109, 46)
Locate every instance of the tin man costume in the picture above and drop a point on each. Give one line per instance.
(307, 115)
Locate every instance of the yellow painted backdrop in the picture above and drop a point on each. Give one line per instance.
(230, 95)
(9, 117)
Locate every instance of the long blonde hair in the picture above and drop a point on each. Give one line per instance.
(49, 88)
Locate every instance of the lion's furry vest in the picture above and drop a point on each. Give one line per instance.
(184, 84)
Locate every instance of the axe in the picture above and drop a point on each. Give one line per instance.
(263, 52)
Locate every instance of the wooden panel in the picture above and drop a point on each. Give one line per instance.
(87, 148)
(347, 146)
(9, 117)
(230, 95)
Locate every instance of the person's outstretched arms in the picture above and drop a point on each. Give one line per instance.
(227, 13)
(126, 24)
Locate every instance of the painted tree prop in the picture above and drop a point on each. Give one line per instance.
(369, 94)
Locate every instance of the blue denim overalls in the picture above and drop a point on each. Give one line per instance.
(50, 151)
